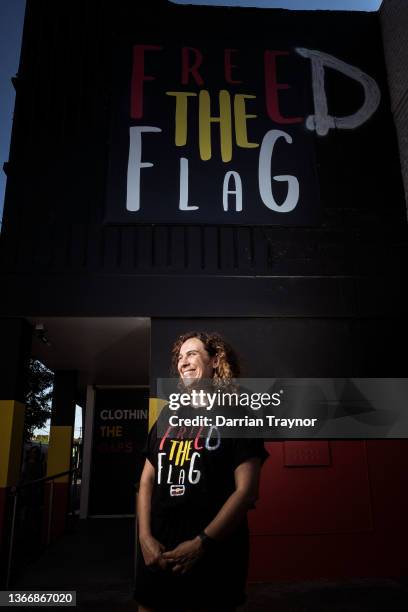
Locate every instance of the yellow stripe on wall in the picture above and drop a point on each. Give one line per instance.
(11, 441)
(155, 407)
(59, 451)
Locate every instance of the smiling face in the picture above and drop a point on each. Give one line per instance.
(194, 362)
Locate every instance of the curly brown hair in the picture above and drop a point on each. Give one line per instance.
(228, 365)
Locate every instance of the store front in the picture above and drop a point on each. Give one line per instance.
(247, 184)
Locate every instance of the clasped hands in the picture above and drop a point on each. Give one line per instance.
(179, 560)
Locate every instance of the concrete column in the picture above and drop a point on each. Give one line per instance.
(60, 445)
(394, 25)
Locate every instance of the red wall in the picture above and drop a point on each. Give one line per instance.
(331, 510)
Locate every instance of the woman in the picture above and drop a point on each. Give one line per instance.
(193, 500)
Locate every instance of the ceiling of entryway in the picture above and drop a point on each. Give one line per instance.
(105, 351)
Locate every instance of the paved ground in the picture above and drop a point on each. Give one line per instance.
(95, 560)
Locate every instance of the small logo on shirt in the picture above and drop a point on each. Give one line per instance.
(176, 490)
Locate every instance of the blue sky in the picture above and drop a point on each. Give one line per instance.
(11, 27)
(334, 5)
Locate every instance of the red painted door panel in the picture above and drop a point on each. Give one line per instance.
(331, 509)
(308, 499)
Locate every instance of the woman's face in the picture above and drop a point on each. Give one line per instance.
(194, 362)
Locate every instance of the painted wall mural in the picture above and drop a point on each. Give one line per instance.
(213, 135)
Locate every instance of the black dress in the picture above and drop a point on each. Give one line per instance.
(193, 479)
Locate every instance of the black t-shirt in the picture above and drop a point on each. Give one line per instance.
(194, 474)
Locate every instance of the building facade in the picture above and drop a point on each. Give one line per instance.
(237, 170)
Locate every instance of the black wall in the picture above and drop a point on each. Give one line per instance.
(59, 257)
(294, 347)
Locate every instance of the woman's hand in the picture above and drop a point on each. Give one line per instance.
(185, 555)
(152, 552)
